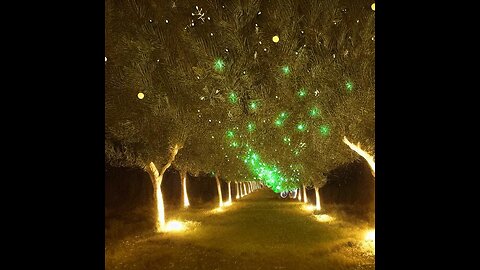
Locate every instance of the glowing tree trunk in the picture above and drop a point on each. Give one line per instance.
(238, 193)
(183, 175)
(156, 177)
(249, 188)
(299, 194)
(305, 200)
(245, 189)
(229, 193)
(369, 158)
(317, 200)
(241, 190)
(219, 189)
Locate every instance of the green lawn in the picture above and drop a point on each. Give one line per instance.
(260, 231)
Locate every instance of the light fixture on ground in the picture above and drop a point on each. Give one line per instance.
(175, 226)
(324, 218)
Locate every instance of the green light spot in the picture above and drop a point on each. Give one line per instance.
(349, 86)
(314, 112)
(234, 144)
(324, 130)
(219, 64)
(302, 93)
(233, 97)
(253, 105)
(230, 134)
(251, 127)
(280, 119)
(301, 127)
(286, 70)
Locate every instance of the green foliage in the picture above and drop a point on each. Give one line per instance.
(222, 94)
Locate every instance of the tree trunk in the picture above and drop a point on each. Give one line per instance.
(241, 189)
(299, 194)
(183, 176)
(156, 177)
(219, 189)
(159, 213)
(317, 200)
(369, 158)
(249, 188)
(305, 200)
(245, 189)
(229, 193)
(238, 192)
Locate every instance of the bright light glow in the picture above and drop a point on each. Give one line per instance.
(317, 200)
(251, 127)
(219, 64)
(324, 130)
(373, 6)
(369, 241)
(302, 92)
(218, 210)
(314, 112)
(230, 133)
(369, 158)
(160, 214)
(232, 97)
(227, 204)
(324, 218)
(280, 119)
(370, 235)
(140, 95)
(308, 207)
(286, 69)
(301, 127)
(349, 86)
(175, 226)
(253, 105)
(219, 189)
(275, 39)
(186, 203)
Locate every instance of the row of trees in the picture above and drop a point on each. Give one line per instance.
(220, 96)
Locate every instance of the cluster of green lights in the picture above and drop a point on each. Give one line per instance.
(302, 92)
(325, 130)
(253, 105)
(219, 65)
(286, 70)
(233, 97)
(251, 127)
(314, 112)
(267, 173)
(280, 119)
(301, 126)
(230, 133)
(349, 86)
(234, 144)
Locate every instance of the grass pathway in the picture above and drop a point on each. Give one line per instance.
(260, 231)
